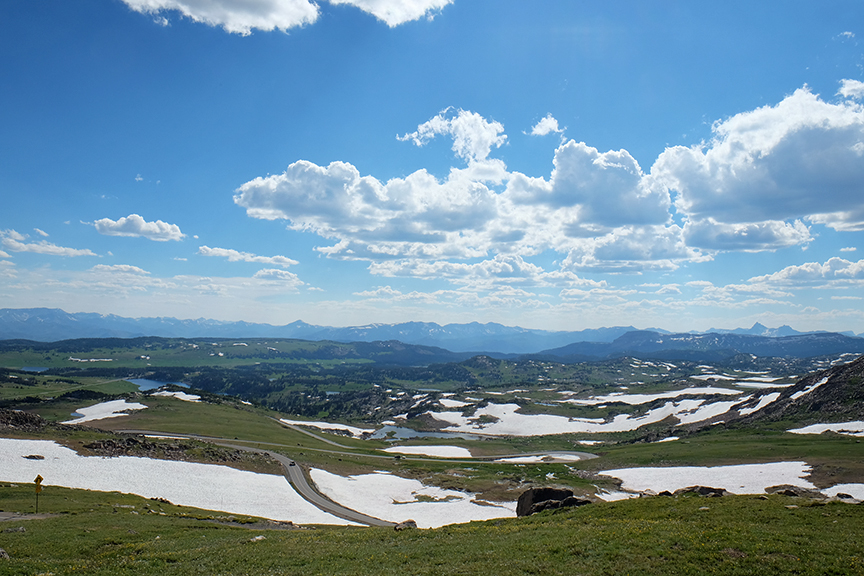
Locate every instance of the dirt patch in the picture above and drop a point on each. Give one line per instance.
(826, 474)
(14, 516)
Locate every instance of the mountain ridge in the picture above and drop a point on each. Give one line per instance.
(52, 324)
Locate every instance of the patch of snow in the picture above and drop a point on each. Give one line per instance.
(447, 403)
(848, 428)
(707, 412)
(512, 423)
(854, 490)
(764, 401)
(810, 388)
(760, 385)
(667, 439)
(737, 479)
(436, 451)
(551, 457)
(356, 432)
(110, 409)
(393, 498)
(589, 442)
(636, 399)
(713, 376)
(614, 496)
(179, 395)
(206, 486)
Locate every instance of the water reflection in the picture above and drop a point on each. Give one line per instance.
(145, 384)
(402, 433)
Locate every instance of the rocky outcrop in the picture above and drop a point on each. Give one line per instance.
(23, 421)
(186, 450)
(405, 525)
(536, 500)
(702, 491)
(790, 490)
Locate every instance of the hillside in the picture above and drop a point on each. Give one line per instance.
(832, 395)
(123, 534)
(710, 347)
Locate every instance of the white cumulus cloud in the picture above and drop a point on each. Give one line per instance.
(15, 242)
(473, 136)
(236, 16)
(244, 16)
(851, 89)
(135, 226)
(545, 126)
(764, 182)
(814, 272)
(800, 159)
(235, 256)
(396, 12)
(282, 278)
(119, 268)
(747, 237)
(608, 189)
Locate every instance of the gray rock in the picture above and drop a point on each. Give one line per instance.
(3, 555)
(405, 525)
(538, 499)
(790, 490)
(702, 491)
(534, 496)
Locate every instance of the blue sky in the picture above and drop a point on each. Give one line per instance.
(555, 165)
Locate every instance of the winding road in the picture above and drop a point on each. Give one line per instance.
(296, 476)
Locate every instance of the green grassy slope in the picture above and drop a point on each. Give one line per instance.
(101, 534)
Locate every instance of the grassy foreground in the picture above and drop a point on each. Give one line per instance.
(111, 533)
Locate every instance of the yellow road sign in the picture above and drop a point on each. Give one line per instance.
(38, 482)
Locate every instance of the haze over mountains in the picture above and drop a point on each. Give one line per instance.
(48, 325)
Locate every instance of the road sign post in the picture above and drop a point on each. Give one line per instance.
(38, 482)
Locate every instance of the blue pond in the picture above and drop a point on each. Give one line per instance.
(145, 384)
(401, 433)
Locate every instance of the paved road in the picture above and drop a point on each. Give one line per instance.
(295, 475)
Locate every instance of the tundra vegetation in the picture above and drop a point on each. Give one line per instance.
(244, 389)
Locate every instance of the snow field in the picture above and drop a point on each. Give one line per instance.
(179, 395)
(435, 451)
(636, 399)
(396, 499)
(207, 486)
(737, 479)
(849, 428)
(110, 409)
(356, 432)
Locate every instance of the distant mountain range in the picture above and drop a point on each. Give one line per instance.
(50, 325)
(711, 347)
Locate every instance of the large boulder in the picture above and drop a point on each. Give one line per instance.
(797, 491)
(702, 491)
(536, 500)
(405, 525)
